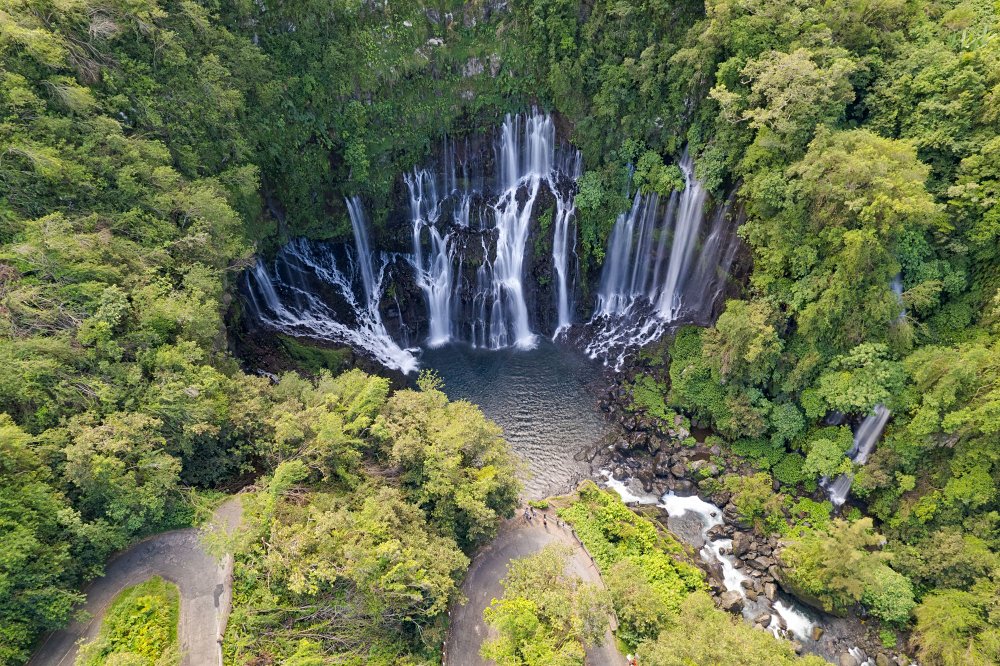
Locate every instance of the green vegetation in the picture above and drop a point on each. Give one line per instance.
(139, 628)
(545, 616)
(659, 597)
(701, 634)
(358, 542)
(838, 566)
(643, 567)
(149, 148)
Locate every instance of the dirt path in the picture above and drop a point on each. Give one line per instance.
(482, 585)
(205, 590)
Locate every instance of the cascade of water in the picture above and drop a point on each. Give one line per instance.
(659, 269)
(865, 439)
(364, 255)
(287, 297)
(621, 280)
(690, 212)
(434, 278)
(525, 155)
(563, 243)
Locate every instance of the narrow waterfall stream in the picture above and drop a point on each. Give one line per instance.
(865, 438)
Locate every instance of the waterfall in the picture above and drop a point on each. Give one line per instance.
(563, 244)
(470, 216)
(865, 439)
(495, 303)
(690, 212)
(310, 290)
(525, 155)
(434, 278)
(661, 268)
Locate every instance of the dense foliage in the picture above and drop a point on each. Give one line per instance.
(139, 629)
(546, 616)
(658, 596)
(858, 136)
(642, 567)
(355, 547)
(702, 634)
(148, 148)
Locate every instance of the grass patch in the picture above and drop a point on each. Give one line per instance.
(140, 628)
(314, 359)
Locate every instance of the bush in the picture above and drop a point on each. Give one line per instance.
(756, 501)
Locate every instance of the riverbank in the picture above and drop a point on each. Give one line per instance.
(654, 459)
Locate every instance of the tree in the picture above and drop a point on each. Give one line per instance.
(743, 346)
(120, 471)
(956, 627)
(327, 423)
(383, 551)
(37, 569)
(702, 634)
(755, 500)
(456, 465)
(545, 617)
(835, 567)
(855, 382)
(827, 449)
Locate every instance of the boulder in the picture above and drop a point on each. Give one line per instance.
(763, 618)
(882, 659)
(817, 632)
(770, 591)
(763, 563)
(731, 601)
(741, 543)
(679, 471)
(846, 659)
(797, 646)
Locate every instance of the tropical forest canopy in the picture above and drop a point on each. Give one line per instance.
(149, 149)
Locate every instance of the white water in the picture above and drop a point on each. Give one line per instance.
(690, 213)
(797, 622)
(441, 200)
(709, 515)
(286, 296)
(563, 244)
(865, 439)
(433, 277)
(659, 269)
(626, 492)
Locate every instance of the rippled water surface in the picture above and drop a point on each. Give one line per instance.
(545, 400)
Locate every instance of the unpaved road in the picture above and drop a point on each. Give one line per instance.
(482, 585)
(178, 556)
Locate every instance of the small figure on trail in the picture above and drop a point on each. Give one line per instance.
(632, 661)
(545, 521)
(527, 516)
(532, 509)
